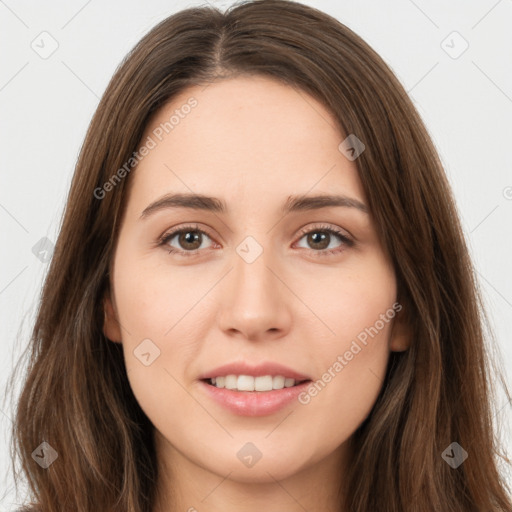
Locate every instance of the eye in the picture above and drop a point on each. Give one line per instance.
(320, 238)
(189, 239)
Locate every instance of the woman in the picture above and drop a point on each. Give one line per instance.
(260, 297)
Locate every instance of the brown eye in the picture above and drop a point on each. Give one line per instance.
(320, 239)
(187, 241)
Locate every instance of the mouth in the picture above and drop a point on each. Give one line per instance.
(256, 384)
(246, 395)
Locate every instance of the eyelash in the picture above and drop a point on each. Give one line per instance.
(191, 228)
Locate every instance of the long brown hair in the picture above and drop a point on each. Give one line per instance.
(76, 396)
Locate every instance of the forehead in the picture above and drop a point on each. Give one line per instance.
(244, 138)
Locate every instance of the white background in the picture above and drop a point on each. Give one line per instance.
(46, 105)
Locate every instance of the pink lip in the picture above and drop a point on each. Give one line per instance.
(254, 403)
(243, 368)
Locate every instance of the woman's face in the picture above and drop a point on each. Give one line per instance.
(261, 281)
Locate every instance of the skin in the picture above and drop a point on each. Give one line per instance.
(251, 142)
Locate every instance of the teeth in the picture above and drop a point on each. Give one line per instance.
(230, 381)
(250, 383)
(278, 382)
(245, 383)
(288, 383)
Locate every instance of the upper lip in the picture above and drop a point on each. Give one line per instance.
(259, 370)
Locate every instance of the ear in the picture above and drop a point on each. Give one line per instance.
(111, 327)
(401, 335)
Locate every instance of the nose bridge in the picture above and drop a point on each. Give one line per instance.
(253, 279)
(254, 302)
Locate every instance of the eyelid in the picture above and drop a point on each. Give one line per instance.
(322, 226)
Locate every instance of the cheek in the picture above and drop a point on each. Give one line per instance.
(352, 358)
(150, 298)
(354, 303)
(159, 330)
(345, 391)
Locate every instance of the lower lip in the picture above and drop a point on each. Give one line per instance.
(254, 403)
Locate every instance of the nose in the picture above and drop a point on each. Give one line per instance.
(256, 303)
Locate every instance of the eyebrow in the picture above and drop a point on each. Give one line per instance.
(216, 205)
